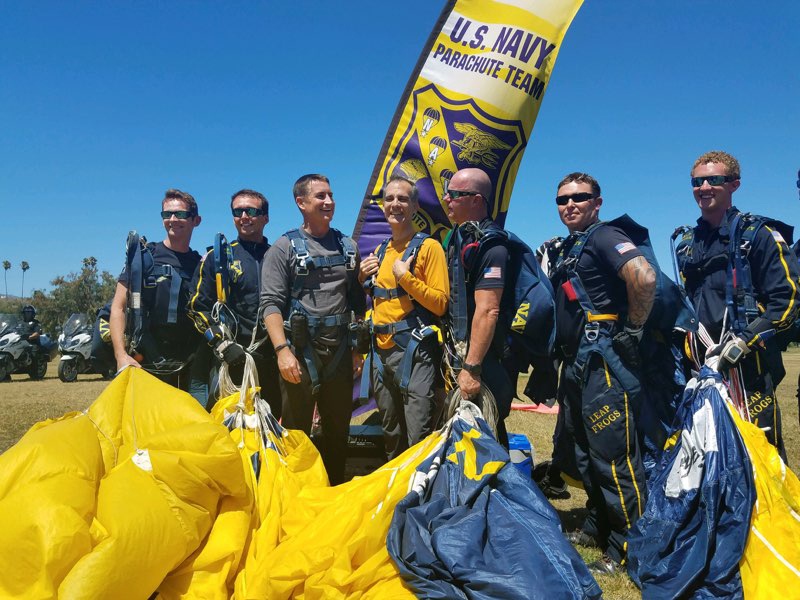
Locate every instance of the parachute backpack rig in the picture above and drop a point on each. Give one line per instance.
(741, 304)
(409, 333)
(223, 316)
(144, 274)
(530, 311)
(301, 326)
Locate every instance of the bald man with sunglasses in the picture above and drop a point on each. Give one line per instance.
(476, 293)
(749, 323)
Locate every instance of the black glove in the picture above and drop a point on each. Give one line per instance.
(230, 352)
(626, 345)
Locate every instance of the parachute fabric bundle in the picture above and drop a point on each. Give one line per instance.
(722, 517)
(474, 526)
(694, 527)
(145, 491)
(331, 542)
(278, 464)
(108, 502)
(770, 566)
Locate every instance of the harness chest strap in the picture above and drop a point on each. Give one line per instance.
(407, 333)
(740, 299)
(304, 262)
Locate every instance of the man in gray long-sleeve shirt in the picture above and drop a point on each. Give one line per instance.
(309, 280)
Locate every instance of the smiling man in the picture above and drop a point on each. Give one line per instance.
(407, 278)
(236, 328)
(740, 277)
(309, 295)
(605, 290)
(169, 335)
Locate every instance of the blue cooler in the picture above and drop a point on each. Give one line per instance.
(519, 448)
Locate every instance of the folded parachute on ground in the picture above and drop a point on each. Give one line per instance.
(106, 503)
(722, 517)
(144, 491)
(474, 527)
(333, 541)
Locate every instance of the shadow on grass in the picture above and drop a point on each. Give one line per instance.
(571, 518)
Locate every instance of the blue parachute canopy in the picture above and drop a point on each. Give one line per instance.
(691, 537)
(475, 527)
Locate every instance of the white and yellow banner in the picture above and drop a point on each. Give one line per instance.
(471, 101)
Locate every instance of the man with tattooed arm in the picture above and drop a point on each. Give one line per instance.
(605, 289)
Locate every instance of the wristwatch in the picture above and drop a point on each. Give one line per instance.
(474, 370)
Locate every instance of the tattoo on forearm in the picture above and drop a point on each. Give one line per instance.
(640, 280)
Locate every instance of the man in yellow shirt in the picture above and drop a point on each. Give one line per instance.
(407, 278)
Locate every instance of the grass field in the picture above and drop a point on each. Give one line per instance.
(24, 402)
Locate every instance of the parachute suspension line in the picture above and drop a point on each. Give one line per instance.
(104, 434)
(735, 380)
(249, 381)
(254, 343)
(484, 401)
(229, 318)
(261, 419)
(453, 355)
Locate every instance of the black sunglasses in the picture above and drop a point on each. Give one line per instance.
(580, 197)
(456, 194)
(179, 214)
(249, 211)
(712, 180)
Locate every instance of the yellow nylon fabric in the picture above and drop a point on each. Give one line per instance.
(332, 541)
(770, 565)
(146, 492)
(82, 515)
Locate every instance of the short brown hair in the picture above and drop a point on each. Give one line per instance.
(301, 185)
(175, 194)
(581, 178)
(253, 194)
(718, 156)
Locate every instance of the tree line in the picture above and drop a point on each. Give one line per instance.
(81, 292)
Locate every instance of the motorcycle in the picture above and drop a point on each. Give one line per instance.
(17, 355)
(75, 346)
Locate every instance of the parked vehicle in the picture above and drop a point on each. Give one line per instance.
(17, 355)
(75, 345)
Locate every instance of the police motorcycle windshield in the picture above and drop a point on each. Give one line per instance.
(76, 323)
(8, 322)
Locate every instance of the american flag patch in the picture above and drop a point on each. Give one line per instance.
(625, 247)
(493, 273)
(778, 237)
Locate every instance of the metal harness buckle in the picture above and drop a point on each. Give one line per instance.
(302, 258)
(591, 331)
(421, 334)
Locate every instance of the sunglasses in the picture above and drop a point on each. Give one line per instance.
(249, 211)
(456, 194)
(178, 214)
(580, 197)
(712, 180)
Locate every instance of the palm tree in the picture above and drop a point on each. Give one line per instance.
(24, 266)
(6, 266)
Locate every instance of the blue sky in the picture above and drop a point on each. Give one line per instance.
(104, 105)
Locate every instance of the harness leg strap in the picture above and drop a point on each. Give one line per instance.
(407, 364)
(311, 361)
(174, 296)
